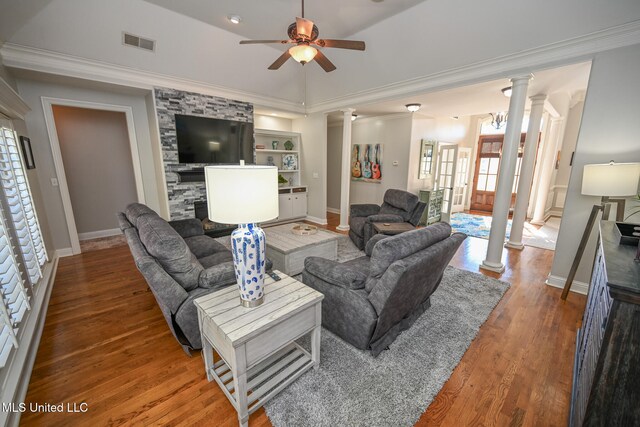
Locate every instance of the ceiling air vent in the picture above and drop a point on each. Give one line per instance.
(137, 41)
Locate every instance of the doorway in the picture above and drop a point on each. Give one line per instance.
(97, 165)
(485, 178)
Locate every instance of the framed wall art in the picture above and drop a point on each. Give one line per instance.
(366, 163)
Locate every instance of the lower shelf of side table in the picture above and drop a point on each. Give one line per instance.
(267, 378)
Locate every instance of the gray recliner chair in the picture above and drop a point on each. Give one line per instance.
(397, 206)
(370, 300)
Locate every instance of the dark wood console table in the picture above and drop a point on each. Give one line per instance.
(606, 374)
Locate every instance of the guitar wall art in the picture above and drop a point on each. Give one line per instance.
(366, 163)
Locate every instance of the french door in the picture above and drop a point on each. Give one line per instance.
(485, 178)
(445, 176)
(460, 183)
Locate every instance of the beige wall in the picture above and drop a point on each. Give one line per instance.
(32, 93)
(609, 131)
(260, 121)
(314, 162)
(97, 162)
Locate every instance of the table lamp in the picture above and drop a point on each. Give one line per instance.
(244, 195)
(605, 180)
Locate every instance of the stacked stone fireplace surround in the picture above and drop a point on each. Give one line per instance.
(169, 102)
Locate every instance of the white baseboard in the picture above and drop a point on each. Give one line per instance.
(64, 252)
(576, 286)
(98, 234)
(333, 210)
(19, 371)
(321, 221)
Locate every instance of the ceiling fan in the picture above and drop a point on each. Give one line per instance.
(304, 35)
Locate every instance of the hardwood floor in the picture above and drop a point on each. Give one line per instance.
(106, 343)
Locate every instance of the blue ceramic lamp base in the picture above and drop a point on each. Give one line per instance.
(248, 247)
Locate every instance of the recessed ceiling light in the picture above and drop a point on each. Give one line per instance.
(413, 107)
(234, 19)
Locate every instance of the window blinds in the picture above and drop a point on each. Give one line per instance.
(19, 204)
(22, 252)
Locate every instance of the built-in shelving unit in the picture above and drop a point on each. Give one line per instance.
(292, 196)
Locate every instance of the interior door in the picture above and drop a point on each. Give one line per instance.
(462, 176)
(445, 176)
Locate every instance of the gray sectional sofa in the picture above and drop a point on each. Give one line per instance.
(179, 264)
(370, 300)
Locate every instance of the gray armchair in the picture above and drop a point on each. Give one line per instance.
(370, 300)
(397, 206)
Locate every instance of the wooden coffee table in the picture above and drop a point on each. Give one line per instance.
(288, 251)
(392, 228)
(258, 353)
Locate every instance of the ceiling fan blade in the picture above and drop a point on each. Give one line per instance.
(324, 62)
(263, 41)
(304, 27)
(342, 44)
(281, 60)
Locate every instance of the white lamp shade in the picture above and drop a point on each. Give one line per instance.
(241, 194)
(611, 179)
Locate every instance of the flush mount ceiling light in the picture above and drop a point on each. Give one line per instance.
(498, 120)
(413, 107)
(234, 19)
(506, 91)
(353, 117)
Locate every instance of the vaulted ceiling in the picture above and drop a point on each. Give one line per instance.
(413, 47)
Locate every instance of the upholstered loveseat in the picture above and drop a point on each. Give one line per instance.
(179, 264)
(397, 206)
(370, 300)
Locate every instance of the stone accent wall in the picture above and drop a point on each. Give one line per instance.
(170, 102)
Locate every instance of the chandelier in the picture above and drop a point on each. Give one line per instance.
(499, 120)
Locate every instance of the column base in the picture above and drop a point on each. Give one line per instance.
(514, 245)
(343, 227)
(491, 266)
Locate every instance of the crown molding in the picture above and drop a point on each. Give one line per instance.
(11, 104)
(46, 61)
(565, 52)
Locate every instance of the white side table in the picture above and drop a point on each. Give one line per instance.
(258, 355)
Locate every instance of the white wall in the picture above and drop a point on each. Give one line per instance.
(394, 133)
(261, 121)
(609, 131)
(97, 160)
(32, 91)
(314, 163)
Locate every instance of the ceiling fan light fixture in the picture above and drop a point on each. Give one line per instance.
(303, 53)
(413, 107)
(353, 117)
(506, 91)
(234, 19)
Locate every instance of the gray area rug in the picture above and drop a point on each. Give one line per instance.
(394, 389)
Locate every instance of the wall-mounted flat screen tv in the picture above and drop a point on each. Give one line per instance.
(208, 140)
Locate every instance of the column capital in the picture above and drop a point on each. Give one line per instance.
(348, 110)
(538, 99)
(519, 79)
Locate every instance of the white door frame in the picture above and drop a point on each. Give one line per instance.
(47, 105)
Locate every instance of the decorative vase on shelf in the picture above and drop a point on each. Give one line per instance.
(274, 145)
(270, 161)
(282, 181)
(288, 145)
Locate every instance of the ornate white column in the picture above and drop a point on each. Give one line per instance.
(526, 173)
(345, 180)
(502, 199)
(548, 163)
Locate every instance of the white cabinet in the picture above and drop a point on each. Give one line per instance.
(292, 203)
(299, 204)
